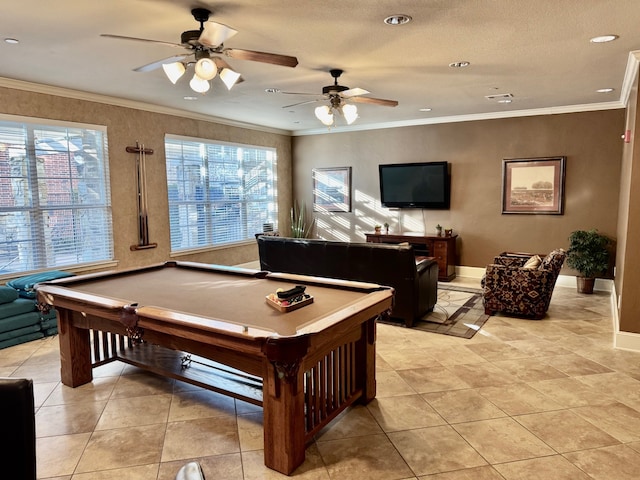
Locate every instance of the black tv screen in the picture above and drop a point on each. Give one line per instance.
(415, 185)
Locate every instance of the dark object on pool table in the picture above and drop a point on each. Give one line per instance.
(296, 291)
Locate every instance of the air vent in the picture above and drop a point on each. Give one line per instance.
(499, 96)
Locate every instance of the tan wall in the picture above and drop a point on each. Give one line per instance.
(125, 127)
(590, 141)
(628, 254)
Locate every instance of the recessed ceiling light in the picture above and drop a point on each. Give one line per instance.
(399, 19)
(190, 98)
(12, 41)
(461, 64)
(605, 90)
(505, 100)
(425, 109)
(603, 38)
(272, 90)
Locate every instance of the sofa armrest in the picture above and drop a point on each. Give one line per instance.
(423, 264)
(427, 271)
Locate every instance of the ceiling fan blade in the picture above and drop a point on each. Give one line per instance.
(354, 92)
(120, 37)
(159, 63)
(220, 63)
(375, 101)
(273, 58)
(215, 34)
(303, 103)
(298, 93)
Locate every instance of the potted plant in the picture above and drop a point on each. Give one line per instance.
(300, 228)
(588, 253)
(378, 229)
(386, 227)
(439, 230)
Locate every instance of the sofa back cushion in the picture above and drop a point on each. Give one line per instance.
(365, 262)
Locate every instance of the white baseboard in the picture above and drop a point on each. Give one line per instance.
(621, 340)
(627, 341)
(602, 285)
(469, 272)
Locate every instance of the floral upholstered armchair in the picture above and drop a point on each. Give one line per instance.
(521, 284)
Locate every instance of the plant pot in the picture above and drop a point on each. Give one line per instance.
(585, 285)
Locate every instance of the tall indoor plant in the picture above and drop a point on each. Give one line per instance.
(588, 253)
(301, 226)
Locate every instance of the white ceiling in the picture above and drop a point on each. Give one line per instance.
(537, 50)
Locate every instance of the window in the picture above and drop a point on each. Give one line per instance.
(55, 207)
(219, 193)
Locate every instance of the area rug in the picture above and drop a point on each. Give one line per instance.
(458, 312)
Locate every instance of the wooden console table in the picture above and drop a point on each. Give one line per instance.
(442, 248)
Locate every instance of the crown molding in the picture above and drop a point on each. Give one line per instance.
(469, 118)
(631, 71)
(122, 102)
(630, 75)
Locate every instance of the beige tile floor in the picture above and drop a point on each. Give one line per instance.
(522, 399)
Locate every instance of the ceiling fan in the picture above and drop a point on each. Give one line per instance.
(205, 44)
(338, 95)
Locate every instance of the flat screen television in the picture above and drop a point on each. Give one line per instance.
(415, 185)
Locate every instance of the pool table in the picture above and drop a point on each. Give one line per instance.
(212, 326)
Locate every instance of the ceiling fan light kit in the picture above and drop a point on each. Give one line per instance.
(350, 113)
(174, 71)
(199, 85)
(323, 113)
(202, 44)
(206, 69)
(229, 77)
(337, 96)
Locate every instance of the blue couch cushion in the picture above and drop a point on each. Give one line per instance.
(8, 294)
(17, 307)
(25, 284)
(19, 321)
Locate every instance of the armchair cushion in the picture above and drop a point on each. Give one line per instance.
(533, 263)
(511, 288)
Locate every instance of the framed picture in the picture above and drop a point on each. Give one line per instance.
(533, 185)
(332, 189)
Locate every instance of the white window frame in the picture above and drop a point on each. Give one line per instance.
(82, 198)
(220, 194)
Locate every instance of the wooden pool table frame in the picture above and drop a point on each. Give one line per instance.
(302, 381)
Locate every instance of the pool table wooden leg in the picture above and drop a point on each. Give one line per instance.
(283, 417)
(75, 351)
(283, 403)
(366, 362)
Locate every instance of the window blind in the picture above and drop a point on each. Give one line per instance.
(55, 207)
(219, 193)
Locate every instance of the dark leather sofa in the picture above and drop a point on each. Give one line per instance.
(415, 283)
